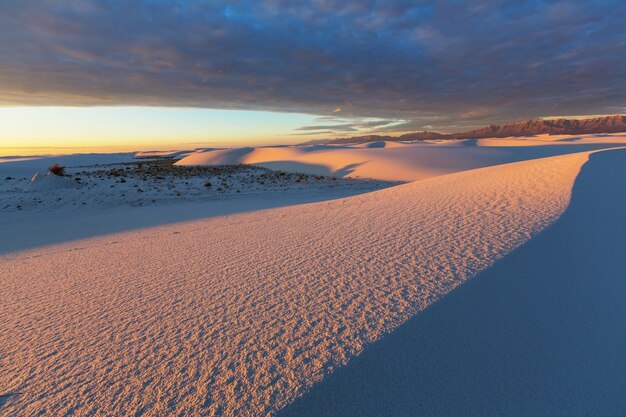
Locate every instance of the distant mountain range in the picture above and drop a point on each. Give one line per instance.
(607, 124)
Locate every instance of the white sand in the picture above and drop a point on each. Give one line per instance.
(239, 315)
(541, 333)
(28, 166)
(403, 161)
(96, 200)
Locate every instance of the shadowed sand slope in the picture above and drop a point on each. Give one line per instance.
(240, 315)
(540, 334)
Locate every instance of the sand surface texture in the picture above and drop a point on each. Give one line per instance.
(242, 314)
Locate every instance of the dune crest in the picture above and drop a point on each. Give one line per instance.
(239, 315)
(400, 161)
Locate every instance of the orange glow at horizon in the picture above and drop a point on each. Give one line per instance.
(43, 130)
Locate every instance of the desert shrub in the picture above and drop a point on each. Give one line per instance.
(56, 169)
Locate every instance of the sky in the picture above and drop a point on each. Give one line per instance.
(119, 74)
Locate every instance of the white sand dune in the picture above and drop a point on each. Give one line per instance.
(539, 334)
(240, 315)
(102, 200)
(400, 161)
(545, 139)
(22, 231)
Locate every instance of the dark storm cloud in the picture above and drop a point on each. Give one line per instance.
(428, 63)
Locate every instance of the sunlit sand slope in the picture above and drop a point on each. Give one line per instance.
(399, 161)
(541, 333)
(239, 315)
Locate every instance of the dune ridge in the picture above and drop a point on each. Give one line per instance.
(538, 334)
(240, 315)
(400, 161)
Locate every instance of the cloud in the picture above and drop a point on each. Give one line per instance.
(361, 125)
(313, 133)
(427, 63)
(335, 128)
